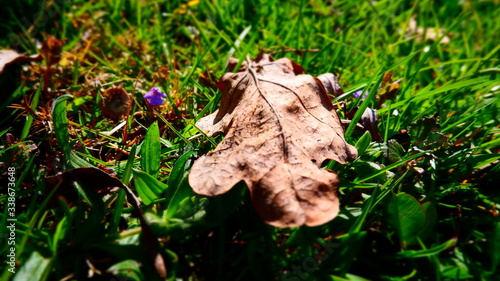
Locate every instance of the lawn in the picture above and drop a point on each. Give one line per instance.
(95, 176)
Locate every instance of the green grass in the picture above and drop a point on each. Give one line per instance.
(421, 204)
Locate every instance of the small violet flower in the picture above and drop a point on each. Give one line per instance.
(155, 96)
(358, 94)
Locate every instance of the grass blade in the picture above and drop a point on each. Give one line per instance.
(151, 151)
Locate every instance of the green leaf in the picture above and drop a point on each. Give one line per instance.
(427, 252)
(151, 151)
(366, 169)
(430, 219)
(179, 187)
(363, 142)
(77, 102)
(348, 277)
(76, 161)
(120, 199)
(130, 269)
(396, 151)
(425, 134)
(61, 123)
(179, 170)
(147, 187)
(182, 192)
(127, 172)
(407, 217)
(456, 271)
(158, 225)
(36, 268)
(61, 228)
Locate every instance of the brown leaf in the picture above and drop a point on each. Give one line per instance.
(280, 126)
(10, 56)
(115, 102)
(331, 84)
(369, 121)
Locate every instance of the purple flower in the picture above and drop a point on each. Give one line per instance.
(155, 96)
(358, 94)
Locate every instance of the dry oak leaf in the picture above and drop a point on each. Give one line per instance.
(280, 126)
(8, 57)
